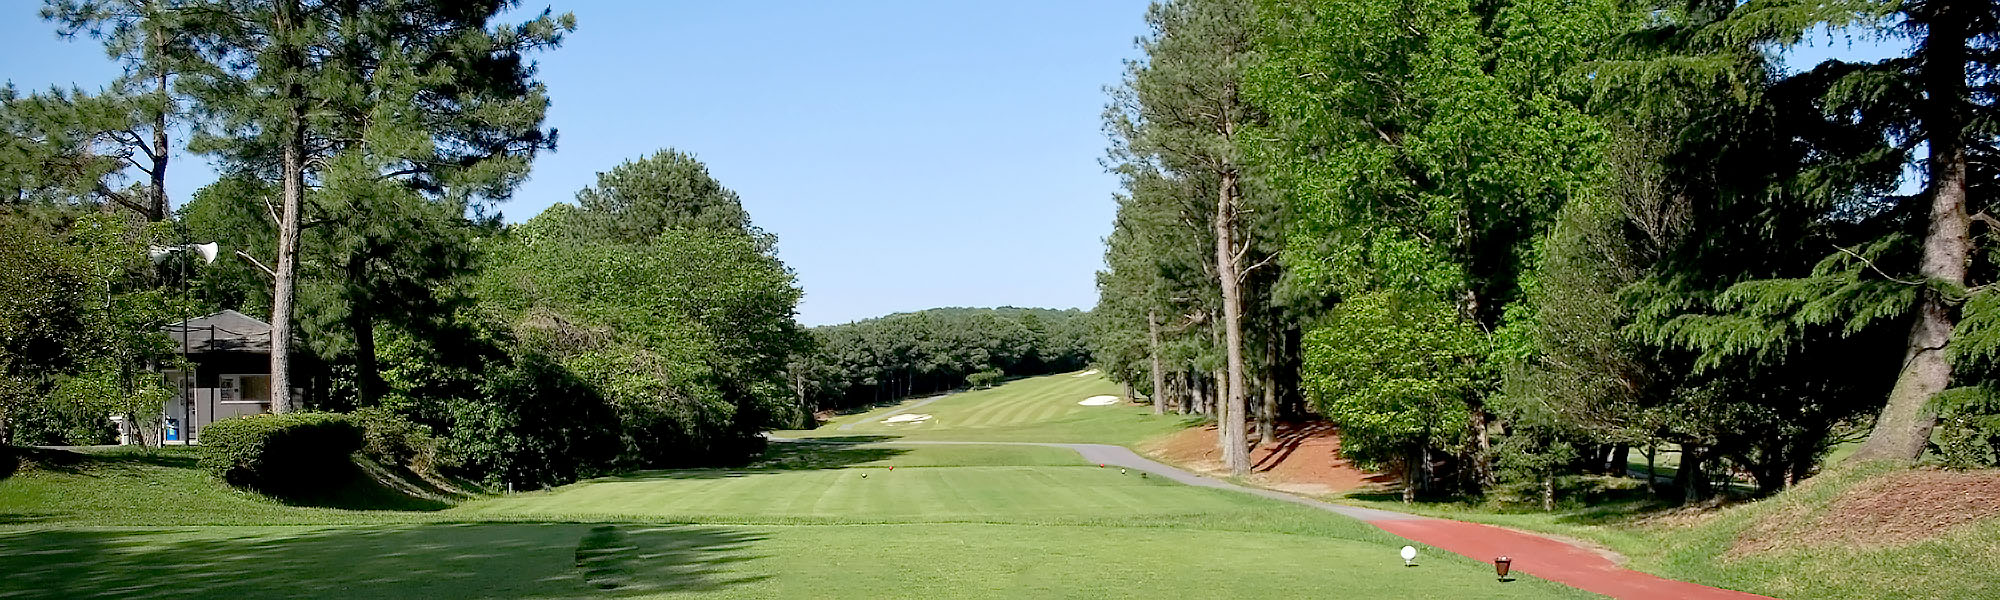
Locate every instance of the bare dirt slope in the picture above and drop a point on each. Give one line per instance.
(1305, 459)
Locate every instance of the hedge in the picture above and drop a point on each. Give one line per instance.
(281, 454)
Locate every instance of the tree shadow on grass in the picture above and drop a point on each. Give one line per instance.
(118, 460)
(780, 457)
(435, 562)
(794, 456)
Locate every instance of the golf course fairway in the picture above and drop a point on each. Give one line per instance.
(812, 520)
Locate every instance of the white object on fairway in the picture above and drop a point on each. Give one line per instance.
(906, 419)
(1099, 401)
(1409, 554)
(1086, 373)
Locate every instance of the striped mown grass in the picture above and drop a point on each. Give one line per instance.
(1036, 409)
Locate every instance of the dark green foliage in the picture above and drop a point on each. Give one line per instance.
(640, 199)
(536, 425)
(1968, 433)
(284, 455)
(391, 439)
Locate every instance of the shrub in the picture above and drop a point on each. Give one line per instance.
(281, 454)
(391, 439)
(983, 379)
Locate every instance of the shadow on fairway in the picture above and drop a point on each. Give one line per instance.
(780, 456)
(435, 562)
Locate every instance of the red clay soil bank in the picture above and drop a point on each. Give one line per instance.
(1305, 459)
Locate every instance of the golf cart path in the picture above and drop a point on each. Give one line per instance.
(1543, 557)
(919, 404)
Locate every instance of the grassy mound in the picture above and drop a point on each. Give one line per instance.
(1865, 531)
(164, 486)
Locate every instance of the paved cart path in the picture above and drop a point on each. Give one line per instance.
(1543, 557)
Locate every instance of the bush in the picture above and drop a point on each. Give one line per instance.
(283, 454)
(391, 439)
(984, 379)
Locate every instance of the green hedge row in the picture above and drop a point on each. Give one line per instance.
(280, 454)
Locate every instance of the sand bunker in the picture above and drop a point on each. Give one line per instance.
(906, 419)
(1086, 373)
(1099, 401)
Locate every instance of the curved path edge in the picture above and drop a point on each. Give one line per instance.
(1547, 558)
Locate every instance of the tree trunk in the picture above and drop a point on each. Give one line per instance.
(293, 172)
(1267, 416)
(1692, 478)
(1234, 395)
(1652, 469)
(1197, 396)
(1549, 492)
(1619, 458)
(1126, 387)
(162, 151)
(1482, 444)
(1410, 474)
(1159, 375)
(367, 374)
(1903, 428)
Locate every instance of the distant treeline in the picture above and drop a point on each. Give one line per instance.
(934, 350)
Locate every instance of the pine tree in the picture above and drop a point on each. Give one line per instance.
(423, 96)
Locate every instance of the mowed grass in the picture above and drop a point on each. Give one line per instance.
(987, 484)
(810, 520)
(1037, 409)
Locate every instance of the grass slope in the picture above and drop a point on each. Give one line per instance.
(1038, 409)
(1807, 561)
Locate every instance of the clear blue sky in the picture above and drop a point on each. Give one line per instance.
(908, 154)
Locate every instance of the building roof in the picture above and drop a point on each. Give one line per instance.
(226, 331)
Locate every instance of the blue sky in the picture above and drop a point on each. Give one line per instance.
(908, 154)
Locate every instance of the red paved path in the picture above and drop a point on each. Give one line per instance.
(1550, 559)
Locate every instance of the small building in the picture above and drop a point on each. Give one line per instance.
(229, 374)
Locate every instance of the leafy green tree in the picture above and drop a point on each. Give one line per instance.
(639, 199)
(1395, 372)
(1423, 148)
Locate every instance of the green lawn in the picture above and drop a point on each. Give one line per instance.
(1039, 409)
(945, 521)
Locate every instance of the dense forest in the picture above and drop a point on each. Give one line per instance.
(929, 351)
(1508, 242)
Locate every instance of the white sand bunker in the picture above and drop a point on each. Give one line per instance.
(1099, 401)
(1086, 373)
(905, 419)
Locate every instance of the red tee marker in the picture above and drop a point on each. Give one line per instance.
(1100, 465)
